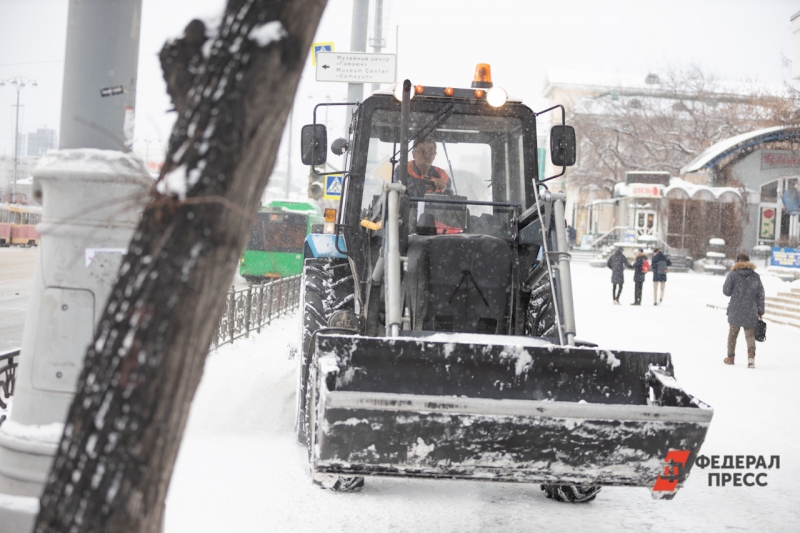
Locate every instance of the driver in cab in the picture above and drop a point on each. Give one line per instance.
(423, 177)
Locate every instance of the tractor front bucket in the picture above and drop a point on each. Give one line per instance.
(501, 408)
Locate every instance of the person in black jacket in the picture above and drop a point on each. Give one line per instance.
(617, 263)
(745, 308)
(659, 267)
(638, 276)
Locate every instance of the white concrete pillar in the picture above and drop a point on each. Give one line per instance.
(92, 202)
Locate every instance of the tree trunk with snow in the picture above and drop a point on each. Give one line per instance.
(123, 430)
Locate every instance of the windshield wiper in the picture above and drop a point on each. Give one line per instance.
(449, 164)
(435, 121)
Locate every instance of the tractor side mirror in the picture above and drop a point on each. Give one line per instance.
(314, 144)
(562, 146)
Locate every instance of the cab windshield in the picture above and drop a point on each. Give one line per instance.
(466, 173)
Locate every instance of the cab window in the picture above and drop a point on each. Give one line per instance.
(478, 159)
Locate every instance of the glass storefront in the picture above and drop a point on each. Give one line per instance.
(779, 212)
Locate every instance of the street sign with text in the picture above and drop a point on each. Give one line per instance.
(353, 67)
(112, 91)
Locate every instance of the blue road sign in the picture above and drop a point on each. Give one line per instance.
(333, 186)
(317, 48)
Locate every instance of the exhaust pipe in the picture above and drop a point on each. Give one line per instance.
(564, 274)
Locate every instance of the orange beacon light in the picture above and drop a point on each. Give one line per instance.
(483, 76)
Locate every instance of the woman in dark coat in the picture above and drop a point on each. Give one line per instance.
(659, 267)
(638, 276)
(617, 263)
(745, 308)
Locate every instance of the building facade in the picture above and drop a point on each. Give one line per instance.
(40, 141)
(25, 166)
(765, 166)
(607, 109)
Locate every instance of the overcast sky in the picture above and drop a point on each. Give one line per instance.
(439, 44)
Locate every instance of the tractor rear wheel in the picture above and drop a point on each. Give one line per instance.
(540, 320)
(340, 483)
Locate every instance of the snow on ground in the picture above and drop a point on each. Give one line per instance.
(240, 470)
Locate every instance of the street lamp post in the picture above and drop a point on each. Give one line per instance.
(18, 82)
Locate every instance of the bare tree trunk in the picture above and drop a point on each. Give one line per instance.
(125, 424)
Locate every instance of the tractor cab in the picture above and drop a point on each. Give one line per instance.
(469, 165)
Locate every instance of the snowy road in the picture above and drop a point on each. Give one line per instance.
(240, 470)
(16, 279)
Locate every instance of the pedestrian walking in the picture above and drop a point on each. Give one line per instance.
(571, 234)
(617, 263)
(640, 267)
(745, 308)
(659, 267)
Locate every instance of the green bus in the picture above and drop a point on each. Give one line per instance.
(275, 249)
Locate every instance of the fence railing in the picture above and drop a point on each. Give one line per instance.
(8, 371)
(249, 309)
(617, 234)
(613, 235)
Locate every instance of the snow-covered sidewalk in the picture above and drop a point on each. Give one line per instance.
(240, 470)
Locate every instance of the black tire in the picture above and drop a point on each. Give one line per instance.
(540, 320)
(327, 287)
(342, 484)
(330, 482)
(570, 493)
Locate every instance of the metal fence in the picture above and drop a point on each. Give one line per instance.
(249, 309)
(8, 370)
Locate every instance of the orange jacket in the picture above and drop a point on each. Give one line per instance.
(434, 172)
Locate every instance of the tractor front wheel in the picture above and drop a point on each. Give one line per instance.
(571, 493)
(327, 288)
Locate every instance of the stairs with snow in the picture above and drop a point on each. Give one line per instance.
(582, 256)
(784, 308)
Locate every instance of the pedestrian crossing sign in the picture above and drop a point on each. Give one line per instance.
(317, 48)
(333, 186)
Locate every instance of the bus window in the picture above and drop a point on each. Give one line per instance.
(25, 218)
(279, 232)
(15, 218)
(4, 216)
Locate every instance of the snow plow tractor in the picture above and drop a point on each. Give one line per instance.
(438, 332)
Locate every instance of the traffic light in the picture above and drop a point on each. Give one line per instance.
(316, 187)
